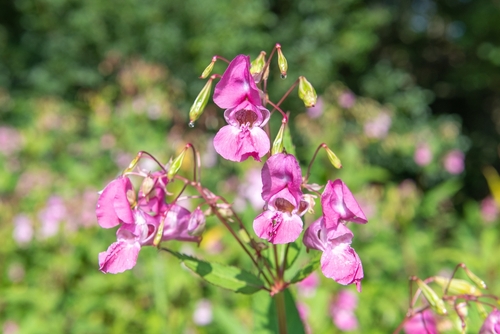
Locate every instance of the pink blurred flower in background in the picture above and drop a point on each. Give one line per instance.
(489, 209)
(347, 99)
(303, 311)
(23, 229)
(10, 140)
(10, 327)
(308, 286)
(423, 154)
(379, 126)
(317, 110)
(421, 323)
(342, 311)
(51, 216)
(454, 162)
(203, 314)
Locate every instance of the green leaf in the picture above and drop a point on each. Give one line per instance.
(293, 253)
(307, 270)
(265, 315)
(436, 195)
(224, 276)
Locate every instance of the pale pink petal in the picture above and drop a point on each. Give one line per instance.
(238, 144)
(246, 112)
(120, 256)
(278, 227)
(422, 323)
(176, 225)
(312, 236)
(236, 85)
(343, 265)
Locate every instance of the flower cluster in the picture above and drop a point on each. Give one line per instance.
(141, 218)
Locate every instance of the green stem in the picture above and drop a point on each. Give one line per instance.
(280, 310)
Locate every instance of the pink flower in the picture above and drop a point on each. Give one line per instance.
(423, 155)
(317, 110)
(454, 162)
(339, 261)
(237, 93)
(51, 216)
(492, 323)
(342, 311)
(489, 209)
(280, 222)
(307, 287)
(340, 205)
(379, 126)
(23, 229)
(140, 221)
(203, 314)
(421, 323)
(347, 99)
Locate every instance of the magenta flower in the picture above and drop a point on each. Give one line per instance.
(237, 93)
(454, 162)
(423, 155)
(342, 311)
(139, 221)
(339, 261)
(340, 205)
(421, 323)
(280, 223)
(489, 209)
(492, 323)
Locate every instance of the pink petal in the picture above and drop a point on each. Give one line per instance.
(342, 264)
(121, 203)
(237, 144)
(312, 236)
(277, 227)
(107, 216)
(120, 256)
(255, 114)
(236, 85)
(339, 204)
(281, 171)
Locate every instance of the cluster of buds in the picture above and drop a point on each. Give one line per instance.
(452, 307)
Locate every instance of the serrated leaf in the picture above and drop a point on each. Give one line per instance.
(224, 276)
(308, 269)
(265, 314)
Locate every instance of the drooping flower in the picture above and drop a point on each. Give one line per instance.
(492, 323)
(280, 222)
(340, 205)
(421, 323)
(338, 261)
(237, 93)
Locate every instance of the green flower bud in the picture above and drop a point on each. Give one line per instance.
(436, 303)
(257, 66)
(307, 93)
(159, 233)
(147, 185)
(209, 69)
(479, 282)
(457, 286)
(334, 160)
(176, 164)
(199, 103)
(282, 63)
(278, 141)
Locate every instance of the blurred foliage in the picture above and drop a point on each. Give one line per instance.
(85, 85)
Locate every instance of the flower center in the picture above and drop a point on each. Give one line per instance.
(246, 117)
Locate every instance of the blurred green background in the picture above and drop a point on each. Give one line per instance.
(409, 100)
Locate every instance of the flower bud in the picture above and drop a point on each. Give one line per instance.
(196, 224)
(457, 286)
(177, 163)
(159, 233)
(147, 185)
(208, 69)
(257, 67)
(131, 197)
(334, 160)
(436, 303)
(200, 102)
(479, 282)
(307, 93)
(282, 63)
(278, 141)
